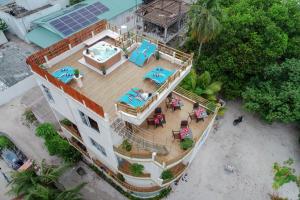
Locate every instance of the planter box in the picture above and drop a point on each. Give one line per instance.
(3, 39)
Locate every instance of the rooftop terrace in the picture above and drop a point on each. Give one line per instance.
(106, 90)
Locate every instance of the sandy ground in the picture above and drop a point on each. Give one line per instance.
(250, 148)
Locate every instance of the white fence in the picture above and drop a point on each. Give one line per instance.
(18, 89)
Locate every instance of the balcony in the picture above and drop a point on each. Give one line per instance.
(125, 166)
(79, 146)
(146, 139)
(73, 130)
(176, 171)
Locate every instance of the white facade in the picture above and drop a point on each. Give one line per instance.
(66, 107)
(127, 18)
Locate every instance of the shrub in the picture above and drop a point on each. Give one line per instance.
(76, 72)
(126, 145)
(157, 55)
(56, 145)
(167, 175)
(186, 143)
(5, 143)
(66, 122)
(120, 177)
(136, 169)
(29, 116)
(3, 25)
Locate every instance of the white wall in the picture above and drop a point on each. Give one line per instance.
(3, 38)
(18, 89)
(69, 108)
(32, 4)
(20, 26)
(127, 18)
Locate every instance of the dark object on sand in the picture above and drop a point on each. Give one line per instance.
(238, 120)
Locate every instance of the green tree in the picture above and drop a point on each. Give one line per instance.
(41, 185)
(5, 143)
(56, 145)
(204, 25)
(255, 34)
(275, 95)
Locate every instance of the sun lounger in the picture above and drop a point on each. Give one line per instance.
(159, 75)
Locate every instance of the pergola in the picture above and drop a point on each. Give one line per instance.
(164, 13)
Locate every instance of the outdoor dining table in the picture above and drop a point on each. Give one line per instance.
(200, 113)
(185, 133)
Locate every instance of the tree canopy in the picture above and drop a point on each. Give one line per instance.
(257, 36)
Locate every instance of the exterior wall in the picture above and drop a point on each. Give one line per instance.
(127, 18)
(20, 26)
(32, 4)
(3, 38)
(18, 89)
(69, 108)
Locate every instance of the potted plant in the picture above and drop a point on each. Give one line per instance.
(103, 70)
(120, 177)
(126, 145)
(78, 78)
(157, 55)
(125, 52)
(66, 122)
(186, 143)
(3, 27)
(136, 169)
(167, 175)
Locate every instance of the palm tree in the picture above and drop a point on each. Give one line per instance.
(204, 24)
(41, 185)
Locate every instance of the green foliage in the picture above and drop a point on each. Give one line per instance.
(76, 72)
(276, 197)
(29, 116)
(126, 145)
(275, 95)
(284, 174)
(41, 186)
(56, 145)
(3, 25)
(66, 122)
(221, 111)
(202, 85)
(186, 143)
(120, 177)
(5, 143)
(157, 55)
(255, 34)
(167, 175)
(136, 169)
(73, 2)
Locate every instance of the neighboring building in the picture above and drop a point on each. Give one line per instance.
(103, 123)
(162, 20)
(19, 14)
(116, 12)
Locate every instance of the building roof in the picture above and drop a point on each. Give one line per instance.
(163, 12)
(115, 8)
(38, 35)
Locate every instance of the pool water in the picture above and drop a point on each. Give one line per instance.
(103, 51)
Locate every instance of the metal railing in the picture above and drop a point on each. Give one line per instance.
(119, 127)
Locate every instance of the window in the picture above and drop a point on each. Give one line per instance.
(48, 93)
(89, 121)
(98, 146)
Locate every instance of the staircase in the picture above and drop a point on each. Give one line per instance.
(119, 127)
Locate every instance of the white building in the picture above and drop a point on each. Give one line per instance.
(112, 134)
(19, 14)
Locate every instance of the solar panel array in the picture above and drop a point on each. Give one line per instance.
(79, 19)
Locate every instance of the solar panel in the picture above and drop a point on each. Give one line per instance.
(78, 19)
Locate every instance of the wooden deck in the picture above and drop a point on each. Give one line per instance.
(163, 135)
(106, 90)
